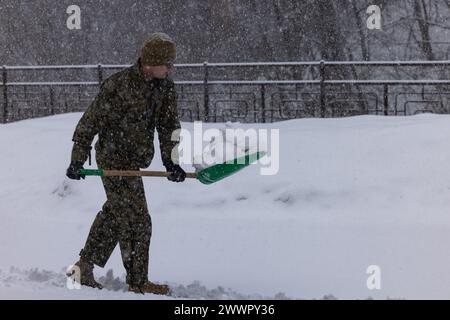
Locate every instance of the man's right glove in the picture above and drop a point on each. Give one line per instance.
(72, 171)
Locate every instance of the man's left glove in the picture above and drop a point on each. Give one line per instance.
(72, 171)
(178, 174)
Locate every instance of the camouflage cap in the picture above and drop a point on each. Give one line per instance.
(158, 49)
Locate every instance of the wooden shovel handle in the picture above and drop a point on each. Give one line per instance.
(135, 173)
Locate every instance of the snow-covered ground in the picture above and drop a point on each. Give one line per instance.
(350, 193)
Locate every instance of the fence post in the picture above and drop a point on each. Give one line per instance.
(205, 92)
(263, 103)
(100, 74)
(386, 100)
(322, 88)
(3, 115)
(52, 101)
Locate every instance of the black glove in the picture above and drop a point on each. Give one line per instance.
(72, 171)
(178, 174)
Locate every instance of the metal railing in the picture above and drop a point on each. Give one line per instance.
(262, 92)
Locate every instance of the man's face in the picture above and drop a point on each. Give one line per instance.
(158, 72)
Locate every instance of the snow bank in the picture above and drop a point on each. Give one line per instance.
(350, 193)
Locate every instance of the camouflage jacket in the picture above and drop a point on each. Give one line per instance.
(125, 114)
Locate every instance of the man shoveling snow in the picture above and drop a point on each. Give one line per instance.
(125, 113)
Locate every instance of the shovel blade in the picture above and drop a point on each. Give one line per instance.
(220, 171)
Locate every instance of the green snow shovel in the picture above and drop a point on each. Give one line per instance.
(206, 176)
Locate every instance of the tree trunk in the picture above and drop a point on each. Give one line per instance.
(420, 11)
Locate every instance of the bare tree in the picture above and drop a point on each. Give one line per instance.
(421, 14)
(361, 31)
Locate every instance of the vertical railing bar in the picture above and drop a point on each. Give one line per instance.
(52, 101)
(322, 88)
(263, 103)
(386, 100)
(205, 92)
(4, 113)
(100, 74)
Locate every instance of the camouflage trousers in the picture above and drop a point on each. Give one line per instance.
(124, 219)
